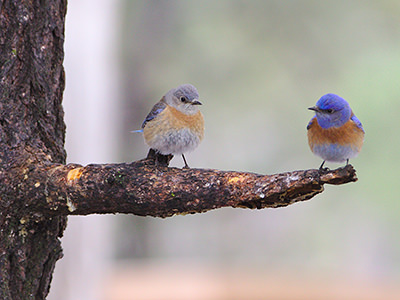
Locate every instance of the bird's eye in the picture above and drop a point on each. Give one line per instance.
(329, 110)
(183, 99)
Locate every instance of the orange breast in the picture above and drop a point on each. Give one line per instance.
(179, 120)
(347, 135)
(171, 119)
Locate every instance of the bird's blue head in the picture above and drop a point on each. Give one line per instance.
(332, 111)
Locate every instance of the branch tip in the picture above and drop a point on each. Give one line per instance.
(338, 176)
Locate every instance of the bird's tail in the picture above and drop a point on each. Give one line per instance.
(137, 131)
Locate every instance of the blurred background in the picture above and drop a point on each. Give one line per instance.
(257, 65)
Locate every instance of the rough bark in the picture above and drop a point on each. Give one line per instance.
(37, 189)
(147, 189)
(31, 134)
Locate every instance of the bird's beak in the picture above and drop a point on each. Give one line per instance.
(196, 102)
(314, 108)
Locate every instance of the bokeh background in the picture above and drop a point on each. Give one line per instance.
(257, 65)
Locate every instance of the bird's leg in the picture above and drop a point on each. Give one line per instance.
(186, 165)
(158, 158)
(322, 169)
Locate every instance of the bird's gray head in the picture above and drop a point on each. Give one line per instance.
(184, 98)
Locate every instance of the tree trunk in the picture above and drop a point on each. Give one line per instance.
(32, 132)
(37, 189)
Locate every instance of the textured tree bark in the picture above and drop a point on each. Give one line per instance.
(146, 188)
(31, 135)
(37, 189)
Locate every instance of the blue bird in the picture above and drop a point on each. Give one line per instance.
(335, 134)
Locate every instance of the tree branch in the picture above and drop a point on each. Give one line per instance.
(147, 189)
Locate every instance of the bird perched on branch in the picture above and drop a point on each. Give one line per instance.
(334, 133)
(175, 124)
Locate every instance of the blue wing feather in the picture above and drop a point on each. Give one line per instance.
(309, 123)
(357, 122)
(155, 111)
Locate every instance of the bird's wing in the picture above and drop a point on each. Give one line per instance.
(157, 109)
(357, 122)
(309, 123)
